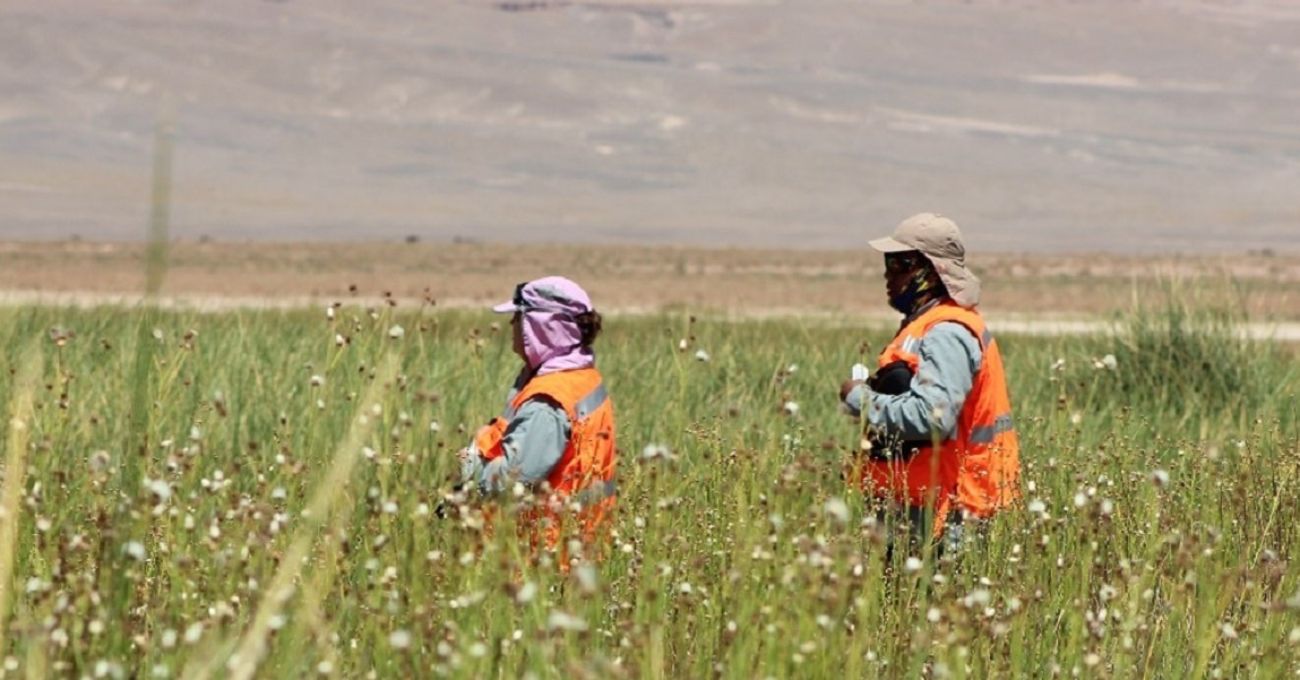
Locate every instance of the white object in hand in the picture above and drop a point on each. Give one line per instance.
(860, 372)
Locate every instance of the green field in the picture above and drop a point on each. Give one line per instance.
(216, 495)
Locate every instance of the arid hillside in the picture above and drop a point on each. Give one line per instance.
(1153, 126)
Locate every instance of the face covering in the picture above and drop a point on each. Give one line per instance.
(553, 342)
(923, 285)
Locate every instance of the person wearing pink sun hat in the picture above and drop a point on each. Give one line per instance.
(556, 434)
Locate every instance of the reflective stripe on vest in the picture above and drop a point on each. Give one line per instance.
(594, 400)
(985, 434)
(596, 492)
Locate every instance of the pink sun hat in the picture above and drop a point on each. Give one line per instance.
(554, 294)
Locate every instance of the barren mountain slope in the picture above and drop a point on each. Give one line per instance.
(1040, 126)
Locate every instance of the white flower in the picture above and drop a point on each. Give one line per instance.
(339, 340)
(791, 408)
(399, 639)
(1160, 477)
(526, 592)
(586, 576)
(913, 564)
(193, 633)
(559, 620)
(434, 426)
(657, 452)
(317, 380)
(134, 550)
(1110, 362)
(1037, 507)
(837, 509)
(329, 312)
(681, 345)
(1080, 499)
(159, 488)
(396, 332)
(701, 356)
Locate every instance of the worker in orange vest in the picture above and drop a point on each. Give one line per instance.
(941, 451)
(556, 433)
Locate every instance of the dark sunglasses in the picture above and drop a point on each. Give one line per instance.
(518, 300)
(897, 263)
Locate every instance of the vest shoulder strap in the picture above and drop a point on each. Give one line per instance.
(580, 393)
(951, 312)
(904, 345)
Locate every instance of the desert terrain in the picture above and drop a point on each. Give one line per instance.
(1041, 126)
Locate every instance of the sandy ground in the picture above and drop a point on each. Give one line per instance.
(1026, 293)
(1279, 331)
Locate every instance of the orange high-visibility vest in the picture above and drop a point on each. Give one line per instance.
(585, 472)
(978, 468)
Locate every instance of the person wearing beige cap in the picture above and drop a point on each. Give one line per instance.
(940, 450)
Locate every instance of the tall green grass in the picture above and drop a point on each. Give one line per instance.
(1156, 537)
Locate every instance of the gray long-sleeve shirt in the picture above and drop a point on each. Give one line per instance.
(533, 443)
(949, 358)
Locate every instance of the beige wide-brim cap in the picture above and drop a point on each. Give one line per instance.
(939, 240)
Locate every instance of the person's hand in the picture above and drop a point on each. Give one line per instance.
(848, 386)
(447, 507)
